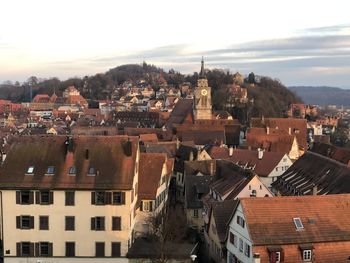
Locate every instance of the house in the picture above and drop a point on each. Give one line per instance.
(267, 165)
(220, 214)
(153, 185)
(292, 229)
(68, 198)
(337, 153)
(314, 174)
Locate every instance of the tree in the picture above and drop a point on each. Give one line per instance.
(251, 78)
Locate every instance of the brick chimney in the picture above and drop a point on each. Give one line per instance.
(260, 154)
(314, 189)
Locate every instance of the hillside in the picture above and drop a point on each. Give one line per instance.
(271, 98)
(322, 95)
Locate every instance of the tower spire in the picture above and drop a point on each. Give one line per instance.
(202, 73)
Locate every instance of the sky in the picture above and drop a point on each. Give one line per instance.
(298, 42)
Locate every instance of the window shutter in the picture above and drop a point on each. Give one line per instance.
(51, 197)
(37, 197)
(282, 256)
(31, 222)
(119, 223)
(93, 198)
(102, 223)
(150, 206)
(37, 249)
(31, 249)
(50, 249)
(108, 198)
(273, 257)
(92, 223)
(31, 197)
(141, 206)
(123, 198)
(18, 248)
(18, 197)
(18, 222)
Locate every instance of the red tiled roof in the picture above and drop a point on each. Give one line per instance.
(270, 220)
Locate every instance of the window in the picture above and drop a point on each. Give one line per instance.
(98, 223)
(70, 249)
(276, 169)
(298, 224)
(195, 213)
(116, 223)
(118, 198)
(30, 170)
(44, 249)
(307, 255)
(100, 198)
(233, 239)
(69, 223)
(25, 249)
(147, 206)
(24, 197)
(240, 245)
(240, 221)
(100, 249)
(246, 250)
(115, 249)
(92, 171)
(43, 222)
(70, 196)
(44, 197)
(72, 171)
(25, 222)
(50, 170)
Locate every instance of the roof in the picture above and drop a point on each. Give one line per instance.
(150, 171)
(337, 153)
(196, 187)
(113, 158)
(222, 212)
(298, 127)
(270, 142)
(312, 169)
(161, 147)
(243, 157)
(270, 220)
(181, 110)
(151, 137)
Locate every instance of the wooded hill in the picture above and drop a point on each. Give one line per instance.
(271, 97)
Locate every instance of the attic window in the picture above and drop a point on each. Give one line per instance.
(72, 171)
(298, 224)
(92, 171)
(30, 170)
(50, 170)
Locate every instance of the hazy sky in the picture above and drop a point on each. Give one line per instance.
(299, 42)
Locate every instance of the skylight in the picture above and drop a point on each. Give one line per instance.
(72, 171)
(30, 170)
(50, 170)
(298, 224)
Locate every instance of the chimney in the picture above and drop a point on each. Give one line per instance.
(256, 258)
(230, 151)
(3, 156)
(260, 154)
(267, 130)
(290, 131)
(314, 189)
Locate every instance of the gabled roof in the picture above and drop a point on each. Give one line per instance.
(310, 170)
(337, 153)
(113, 158)
(324, 218)
(222, 212)
(297, 127)
(248, 158)
(150, 171)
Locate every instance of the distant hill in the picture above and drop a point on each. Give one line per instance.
(322, 95)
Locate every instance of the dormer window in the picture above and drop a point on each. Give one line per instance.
(72, 171)
(92, 171)
(30, 170)
(298, 224)
(50, 170)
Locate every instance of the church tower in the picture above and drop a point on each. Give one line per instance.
(202, 107)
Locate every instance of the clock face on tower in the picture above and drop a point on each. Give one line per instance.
(204, 92)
